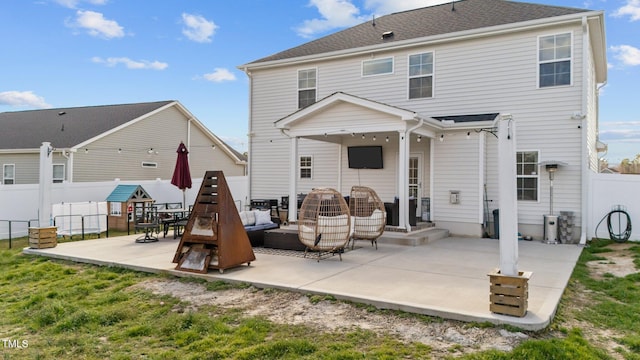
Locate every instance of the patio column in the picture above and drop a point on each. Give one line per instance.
(293, 181)
(403, 183)
(44, 188)
(507, 195)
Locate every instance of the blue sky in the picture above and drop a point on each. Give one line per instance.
(66, 53)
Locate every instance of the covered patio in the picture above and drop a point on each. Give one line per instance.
(444, 277)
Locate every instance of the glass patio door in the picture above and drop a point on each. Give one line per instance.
(415, 179)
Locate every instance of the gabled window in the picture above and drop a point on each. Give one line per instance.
(377, 66)
(8, 174)
(554, 60)
(307, 80)
(58, 173)
(305, 167)
(421, 75)
(527, 175)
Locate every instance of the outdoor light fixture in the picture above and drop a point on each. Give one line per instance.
(468, 134)
(387, 139)
(362, 136)
(119, 151)
(86, 151)
(442, 138)
(150, 151)
(213, 147)
(374, 138)
(419, 138)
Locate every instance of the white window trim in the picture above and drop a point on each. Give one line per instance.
(298, 88)
(393, 66)
(4, 173)
(537, 176)
(63, 173)
(538, 62)
(309, 167)
(433, 76)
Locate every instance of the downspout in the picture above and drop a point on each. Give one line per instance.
(250, 132)
(586, 196)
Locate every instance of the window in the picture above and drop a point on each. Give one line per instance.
(377, 67)
(554, 58)
(421, 75)
(306, 87)
(305, 167)
(58, 173)
(527, 174)
(8, 174)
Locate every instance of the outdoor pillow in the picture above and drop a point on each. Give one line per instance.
(262, 217)
(248, 218)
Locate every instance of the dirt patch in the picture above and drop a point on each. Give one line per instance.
(619, 262)
(443, 336)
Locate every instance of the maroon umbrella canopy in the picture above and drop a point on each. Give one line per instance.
(181, 174)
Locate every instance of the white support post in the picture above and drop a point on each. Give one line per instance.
(292, 213)
(44, 188)
(403, 184)
(507, 193)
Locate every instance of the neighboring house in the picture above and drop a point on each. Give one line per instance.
(426, 85)
(103, 143)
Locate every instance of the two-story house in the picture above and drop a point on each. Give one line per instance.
(406, 104)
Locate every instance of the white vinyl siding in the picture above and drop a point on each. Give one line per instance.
(554, 60)
(421, 75)
(377, 67)
(307, 92)
(58, 173)
(8, 174)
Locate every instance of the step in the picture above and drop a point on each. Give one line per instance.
(414, 238)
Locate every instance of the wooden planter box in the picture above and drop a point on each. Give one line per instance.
(509, 294)
(42, 238)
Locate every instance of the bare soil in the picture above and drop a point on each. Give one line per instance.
(445, 337)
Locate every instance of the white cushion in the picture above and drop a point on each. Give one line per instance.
(248, 218)
(369, 226)
(263, 217)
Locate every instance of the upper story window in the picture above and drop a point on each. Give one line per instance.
(305, 167)
(8, 174)
(554, 60)
(421, 75)
(377, 66)
(307, 80)
(527, 175)
(58, 173)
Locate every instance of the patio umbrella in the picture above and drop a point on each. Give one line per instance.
(181, 174)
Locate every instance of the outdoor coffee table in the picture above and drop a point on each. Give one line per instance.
(282, 238)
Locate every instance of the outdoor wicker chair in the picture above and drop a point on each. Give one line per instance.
(324, 223)
(367, 214)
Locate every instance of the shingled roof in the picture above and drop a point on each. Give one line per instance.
(425, 22)
(66, 127)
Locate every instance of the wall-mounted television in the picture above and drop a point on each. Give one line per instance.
(365, 157)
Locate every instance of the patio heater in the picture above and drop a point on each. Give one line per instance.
(551, 220)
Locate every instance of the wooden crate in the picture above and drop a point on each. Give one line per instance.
(42, 238)
(509, 294)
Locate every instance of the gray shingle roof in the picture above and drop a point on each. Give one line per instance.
(66, 127)
(424, 22)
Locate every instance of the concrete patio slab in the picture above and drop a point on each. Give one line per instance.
(445, 278)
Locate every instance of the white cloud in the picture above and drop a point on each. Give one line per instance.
(220, 75)
(131, 64)
(198, 28)
(343, 13)
(335, 14)
(628, 54)
(72, 4)
(632, 8)
(23, 98)
(384, 7)
(97, 25)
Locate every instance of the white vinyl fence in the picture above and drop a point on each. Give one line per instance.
(19, 203)
(611, 191)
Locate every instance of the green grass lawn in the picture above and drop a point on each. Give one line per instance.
(52, 309)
